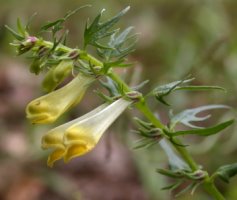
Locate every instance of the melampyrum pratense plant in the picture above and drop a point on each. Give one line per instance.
(79, 136)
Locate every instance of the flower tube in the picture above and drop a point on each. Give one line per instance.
(81, 137)
(54, 138)
(50, 107)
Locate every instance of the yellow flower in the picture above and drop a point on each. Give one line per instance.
(56, 75)
(54, 138)
(50, 107)
(85, 134)
(79, 136)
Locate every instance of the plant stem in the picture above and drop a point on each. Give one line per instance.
(141, 105)
(185, 155)
(143, 108)
(212, 190)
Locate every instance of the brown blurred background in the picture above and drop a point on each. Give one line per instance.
(177, 38)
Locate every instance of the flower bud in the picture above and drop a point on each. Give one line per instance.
(50, 107)
(56, 75)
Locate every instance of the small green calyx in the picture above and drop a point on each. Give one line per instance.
(134, 95)
(26, 45)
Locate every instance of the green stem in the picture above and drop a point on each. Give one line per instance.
(212, 190)
(185, 155)
(141, 105)
(143, 108)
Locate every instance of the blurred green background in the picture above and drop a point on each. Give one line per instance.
(177, 38)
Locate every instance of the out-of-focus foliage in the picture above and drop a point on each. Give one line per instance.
(177, 38)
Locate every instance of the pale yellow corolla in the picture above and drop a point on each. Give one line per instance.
(80, 136)
(48, 108)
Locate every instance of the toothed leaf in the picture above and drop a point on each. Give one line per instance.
(119, 45)
(162, 91)
(97, 30)
(205, 131)
(188, 116)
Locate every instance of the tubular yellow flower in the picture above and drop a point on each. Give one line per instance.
(54, 138)
(50, 107)
(56, 75)
(85, 134)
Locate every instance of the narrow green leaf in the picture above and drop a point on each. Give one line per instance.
(20, 28)
(15, 34)
(200, 88)
(140, 85)
(51, 24)
(145, 143)
(146, 125)
(175, 143)
(183, 191)
(73, 12)
(172, 186)
(57, 24)
(27, 27)
(103, 96)
(205, 131)
(122, 65)
(169, 173)
(227, 171)
(195, 187)
(162, 100)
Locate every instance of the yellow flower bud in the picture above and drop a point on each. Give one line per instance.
(50, 107)
(56, 75)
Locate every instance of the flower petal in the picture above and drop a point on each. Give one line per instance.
(54, 156)
(77, 148)
(54, 138)
(82, 136)
(95, 125)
